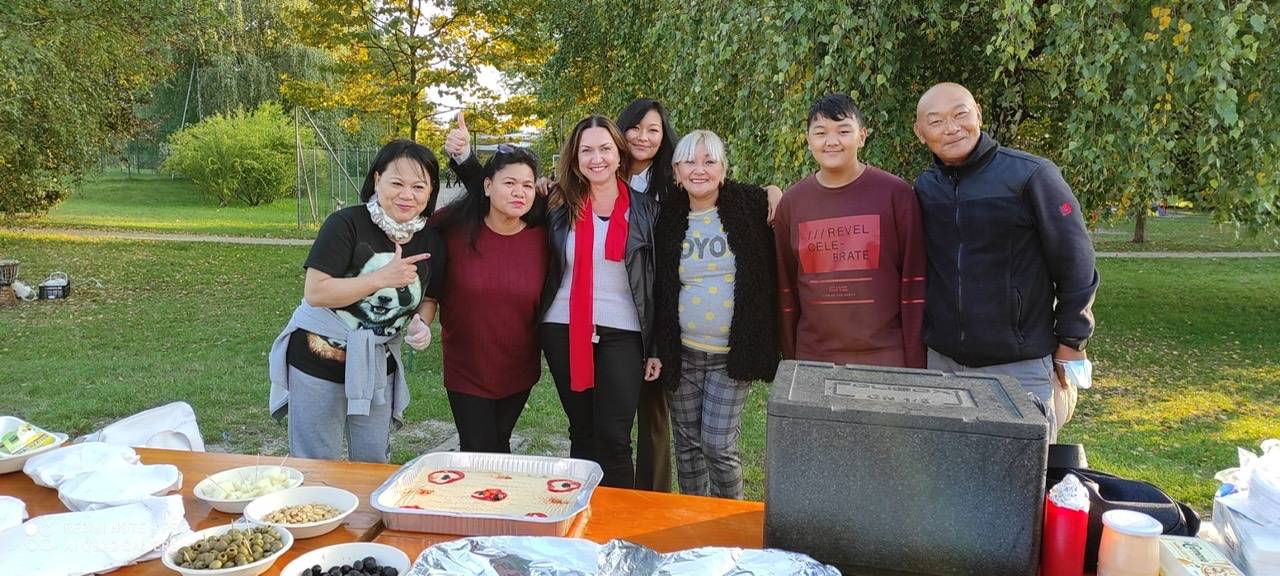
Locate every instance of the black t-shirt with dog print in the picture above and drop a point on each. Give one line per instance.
(349, 244)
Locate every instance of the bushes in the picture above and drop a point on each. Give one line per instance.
(245, 157)
(26, 191)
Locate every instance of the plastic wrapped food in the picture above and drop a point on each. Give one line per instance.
(51, 469)
(25, 438)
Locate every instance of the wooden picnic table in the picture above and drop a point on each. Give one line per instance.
(664, 522)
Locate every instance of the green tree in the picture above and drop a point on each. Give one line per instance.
(391, 57)
(71, 72)
(1135, 101)
(236, 57)
(1167, 99)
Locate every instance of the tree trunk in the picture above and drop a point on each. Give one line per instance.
(1140, 227)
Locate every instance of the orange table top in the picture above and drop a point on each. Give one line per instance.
(664, 522)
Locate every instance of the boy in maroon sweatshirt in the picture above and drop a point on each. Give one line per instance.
(851, 258)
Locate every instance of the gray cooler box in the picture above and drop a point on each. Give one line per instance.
(887, 471)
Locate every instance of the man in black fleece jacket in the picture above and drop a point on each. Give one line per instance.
(1011, 275)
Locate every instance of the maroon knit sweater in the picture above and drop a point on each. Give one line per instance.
(851, 272)
(489, 311)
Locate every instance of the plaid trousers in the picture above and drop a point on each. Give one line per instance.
(706, 416)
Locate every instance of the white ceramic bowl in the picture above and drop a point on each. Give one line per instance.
(14, 463)
(346, 554)
(262, 506)
(226, 477)
(251, 569)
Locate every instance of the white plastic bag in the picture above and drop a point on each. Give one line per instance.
(1247, 510)
(12, 512)
(76, 543)
(172, 426)
(1253, 488)
(50, 469)
(118, 485)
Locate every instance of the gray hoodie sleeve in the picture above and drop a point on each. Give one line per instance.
(1068, 251)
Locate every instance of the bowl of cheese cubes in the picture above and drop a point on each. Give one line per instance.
(231, 490)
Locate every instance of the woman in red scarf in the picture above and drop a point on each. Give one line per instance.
(598, 296)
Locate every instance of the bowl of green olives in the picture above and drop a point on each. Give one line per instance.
(228, 550)
(353, 558)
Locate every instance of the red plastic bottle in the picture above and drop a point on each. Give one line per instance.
(1064, 535)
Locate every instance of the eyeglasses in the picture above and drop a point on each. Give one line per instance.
(506, 148)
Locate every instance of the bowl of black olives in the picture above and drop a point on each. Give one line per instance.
(352, 559)
(227, 550)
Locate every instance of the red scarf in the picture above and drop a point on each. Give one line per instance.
(582, 365)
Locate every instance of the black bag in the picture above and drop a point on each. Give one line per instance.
(1108, 492)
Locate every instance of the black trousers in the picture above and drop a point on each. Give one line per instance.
(600, 418)
(485, 425)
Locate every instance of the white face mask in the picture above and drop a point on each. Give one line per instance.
(1079, 373)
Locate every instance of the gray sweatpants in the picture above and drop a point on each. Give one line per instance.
(318, 419)
(1035, 375)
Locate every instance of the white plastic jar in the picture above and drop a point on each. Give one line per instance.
(1130, 544)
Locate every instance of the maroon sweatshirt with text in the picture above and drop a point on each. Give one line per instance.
(851, 272)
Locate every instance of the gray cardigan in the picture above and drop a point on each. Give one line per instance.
(366, 364)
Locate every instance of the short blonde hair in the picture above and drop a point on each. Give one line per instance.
(688, 146)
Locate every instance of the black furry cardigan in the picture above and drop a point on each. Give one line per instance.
(753, 335)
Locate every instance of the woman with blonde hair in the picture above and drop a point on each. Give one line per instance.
(716, 318)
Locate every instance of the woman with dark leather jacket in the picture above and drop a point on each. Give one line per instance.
(597, 300)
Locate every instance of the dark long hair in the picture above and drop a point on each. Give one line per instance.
(572, 183)
(661, 177)
(468, 211)
(395, 150)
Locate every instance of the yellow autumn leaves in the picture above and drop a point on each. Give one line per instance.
(1163, 16)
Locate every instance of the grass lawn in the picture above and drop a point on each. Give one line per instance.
(1186, 362)
(155, 203)
(1184, 231)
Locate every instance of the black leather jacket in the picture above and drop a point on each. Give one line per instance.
(641, 216)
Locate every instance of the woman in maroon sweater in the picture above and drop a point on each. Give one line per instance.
(489, 305)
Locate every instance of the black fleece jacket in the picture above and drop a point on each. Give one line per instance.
(753, 330)
(1011, 266)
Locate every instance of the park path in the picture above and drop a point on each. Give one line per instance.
(164, 237)
(157, 236)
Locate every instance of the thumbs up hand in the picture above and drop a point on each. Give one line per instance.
(458, 143)
(419, 334)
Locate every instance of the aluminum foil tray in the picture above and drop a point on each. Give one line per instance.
(477, 524)
(523, 556)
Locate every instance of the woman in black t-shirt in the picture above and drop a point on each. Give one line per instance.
(373, 276)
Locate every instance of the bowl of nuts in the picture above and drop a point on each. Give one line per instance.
(305, 511)
(227, 550)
